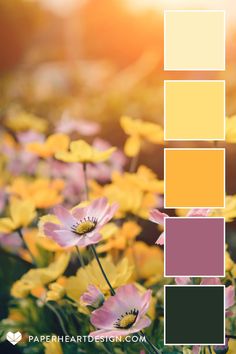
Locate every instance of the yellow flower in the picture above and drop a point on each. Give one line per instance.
(120, 237)
(26, 121)
(134, 192)
(53, 144)
(148, 262)
(44, 193)
(118, 275)
(145, 179)
(80, 151)
(138, 131)
(228, 262)
(38, 277)
(231, 129)
(229, 212)
(56, 292)
(232, 346)
(21, 214)
(52, 348)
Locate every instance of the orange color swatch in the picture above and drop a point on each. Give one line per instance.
(194, 178)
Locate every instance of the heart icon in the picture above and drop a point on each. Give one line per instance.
(14, 338)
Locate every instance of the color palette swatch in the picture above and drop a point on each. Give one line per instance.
(194, 40)
(194, 247)
(194, 110)
(194, 178)
(194, 315)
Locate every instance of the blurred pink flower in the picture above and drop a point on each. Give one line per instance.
(92, 297)
(122, 314)
(182, 280)
(102, 172)
(80, 226)
(68, 125)
(158, 217)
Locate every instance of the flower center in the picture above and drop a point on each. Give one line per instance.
(84, 226)
(127, 320)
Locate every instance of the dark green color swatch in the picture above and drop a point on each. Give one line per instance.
(194, 315)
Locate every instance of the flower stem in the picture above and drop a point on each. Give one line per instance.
(80, 257)
(60, 320)
(85, 181)
(133, 163)
(102, 270)
(155, 350)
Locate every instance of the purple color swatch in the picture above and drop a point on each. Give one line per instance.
(194, 246)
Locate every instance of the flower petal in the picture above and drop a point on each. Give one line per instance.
(157, 216)
(65, 216)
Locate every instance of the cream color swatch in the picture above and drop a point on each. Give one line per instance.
(194, 40)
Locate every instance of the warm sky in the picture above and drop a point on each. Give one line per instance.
(228, 5)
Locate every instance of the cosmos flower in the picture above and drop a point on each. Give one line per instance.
(158, 218)
(92, 297)
(80, 226)
(122, 314)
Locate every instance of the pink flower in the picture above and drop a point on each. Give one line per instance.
(93, 297)
(122, 314)
(158, 218)
(80, 226)
(68, 125)
(182, 280)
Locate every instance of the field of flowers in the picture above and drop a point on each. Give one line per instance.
(81, 206)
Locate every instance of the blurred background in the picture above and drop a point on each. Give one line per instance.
(97, 60)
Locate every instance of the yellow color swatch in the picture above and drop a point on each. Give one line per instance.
(194, 178)
(194, 40)
(194, 110)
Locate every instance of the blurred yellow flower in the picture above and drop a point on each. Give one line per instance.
(26, 121)
(148, 262)
(53, 144)
(232, 346)
(52, 348)
(118, 275)
(38, 277)
(136, 193)
(139, 130)
(44, 193)
(231, 129)
(229, 212)
(56, 292)
(120, 238)
(21, 214)
(80, 151)
(144, 178)
(229, 264)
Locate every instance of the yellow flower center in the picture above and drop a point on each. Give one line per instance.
(85, 227)
(127, 320)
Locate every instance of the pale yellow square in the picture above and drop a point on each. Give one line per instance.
(194, 40)
(194, 110)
